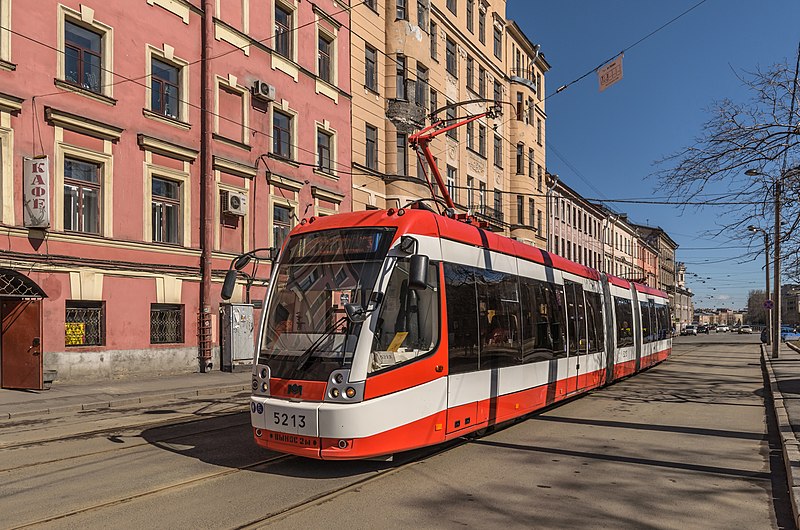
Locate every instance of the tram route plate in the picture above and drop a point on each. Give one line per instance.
(291, 418)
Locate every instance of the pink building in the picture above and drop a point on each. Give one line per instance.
(116, 243)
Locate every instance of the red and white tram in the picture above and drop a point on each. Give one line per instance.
(389, 330)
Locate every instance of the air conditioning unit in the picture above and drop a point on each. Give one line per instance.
(263, 91)
(235, 204)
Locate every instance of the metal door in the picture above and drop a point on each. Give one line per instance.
(21, 344)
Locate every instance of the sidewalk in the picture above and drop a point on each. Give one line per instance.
(75, 397)
(784, 383)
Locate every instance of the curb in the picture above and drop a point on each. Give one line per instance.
(789, 443)
(127, 401)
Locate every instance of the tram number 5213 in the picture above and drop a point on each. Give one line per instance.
(289, 420)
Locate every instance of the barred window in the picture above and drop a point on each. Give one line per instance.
(85, 323)
(166, 323)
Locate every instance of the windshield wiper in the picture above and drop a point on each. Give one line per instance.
(311, 350)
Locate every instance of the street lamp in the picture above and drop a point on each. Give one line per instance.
(767, 311)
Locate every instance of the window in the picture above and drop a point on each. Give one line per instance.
(539, 177)
(624, 318)
(481, 81)
(462, 321)
(539, 131)
(82, 194)
(402, 9)
(576, 318)
(470, 186)
(498, 151)
(530, 167)
(482, 196)
(324, 57)
(451, 183)
(283, 31)
(371, 140)
(539, 85)
(470, 72)
(402, 154)
(372, 4)
(422, 13)
(434, 43)
(498, 91)
(470, 16)
(542, 321)
(409, 328)
(482, 26)
(324, 151)
(520, 159)
(421, 91)
(281, 224)
(498, 204)
(530, 211)
(400, 78)
(520, 109)
(434, 100)
(85, 323)
(520, 210)
(470, 133)
(165, 89)
(482, 140)
(371, 68)
(452, 58)
(538, 221)
(498, 42)
(451, 118)
(83, 57)
(282, 134)
(166, 324)
(166, 210)
(452, 6)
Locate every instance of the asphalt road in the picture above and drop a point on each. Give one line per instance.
(683, 445)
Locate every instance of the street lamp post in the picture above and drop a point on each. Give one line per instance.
(767, 311)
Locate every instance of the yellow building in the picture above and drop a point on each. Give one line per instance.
(409, 58)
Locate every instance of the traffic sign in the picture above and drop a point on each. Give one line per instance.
(767, 304)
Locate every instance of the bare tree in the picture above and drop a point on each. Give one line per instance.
(760, 135)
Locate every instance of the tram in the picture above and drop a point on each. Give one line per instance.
(389, 330)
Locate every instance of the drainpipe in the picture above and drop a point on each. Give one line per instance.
(206, 190)
(549, 198)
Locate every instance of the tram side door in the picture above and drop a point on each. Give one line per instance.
(20, 344)
(637, 331)
(576, 331)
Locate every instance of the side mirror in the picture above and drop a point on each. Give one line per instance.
(418, 272)
(229, 284)
(355, 313)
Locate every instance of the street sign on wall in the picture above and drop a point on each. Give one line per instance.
(36, 192)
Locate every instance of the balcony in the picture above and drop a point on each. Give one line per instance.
(489, 214)
(524, 76)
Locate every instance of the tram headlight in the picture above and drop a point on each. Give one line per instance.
(264, 373)
(335, 393)
(350, 392)
(338, 379)
(265, 387)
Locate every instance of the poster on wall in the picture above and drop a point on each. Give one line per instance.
(36, 192)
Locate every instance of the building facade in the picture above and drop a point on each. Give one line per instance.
(411, 58)
(167, 136)
(575, 226)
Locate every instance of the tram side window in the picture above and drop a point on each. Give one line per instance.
(664, 328)
(624, 315)
(647, 322)
(594, 317)
(498, 319)
(408, 325)
(462, 318)
(543, 321)
(576, 318)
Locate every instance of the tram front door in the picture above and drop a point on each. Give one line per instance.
(20, 344)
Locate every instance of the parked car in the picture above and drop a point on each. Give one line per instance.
(745, 329)
(722, 328)
(689, 330)
(702, 328)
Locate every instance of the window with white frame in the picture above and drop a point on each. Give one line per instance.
(165, 89)
(281, 223)
(83, 56)
(451, 183)
(82, 196)
(371, 68)
(325, 59)
(166, 210)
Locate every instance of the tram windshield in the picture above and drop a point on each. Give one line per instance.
(307, 334)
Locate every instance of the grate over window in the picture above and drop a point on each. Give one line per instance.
(85, 324)
(166, 324)
(14, 284)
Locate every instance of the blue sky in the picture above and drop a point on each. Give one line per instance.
(604, 145)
